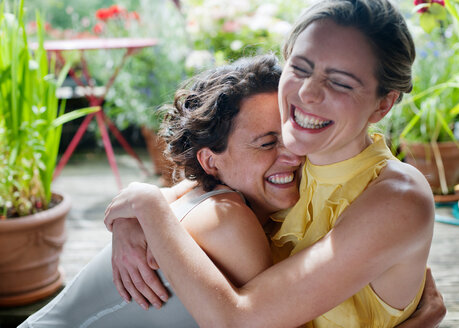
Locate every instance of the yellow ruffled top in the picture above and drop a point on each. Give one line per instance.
(325, 192)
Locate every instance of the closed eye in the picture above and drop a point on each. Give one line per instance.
(341, 85)
(301, 70)
(269, 144)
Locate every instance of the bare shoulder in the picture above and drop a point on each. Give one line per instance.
(398, 211)
(397, 207)
(221, 214)
(407, 190)
(230, 233)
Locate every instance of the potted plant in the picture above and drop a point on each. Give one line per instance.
(31, 216)
(422, 127)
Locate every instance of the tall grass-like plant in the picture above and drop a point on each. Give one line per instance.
(430, 112)
(30, 118)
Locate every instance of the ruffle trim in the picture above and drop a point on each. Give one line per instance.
(297, 220)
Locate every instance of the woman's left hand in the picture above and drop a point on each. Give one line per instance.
(127, 202)
(132, 261)
(134, 267)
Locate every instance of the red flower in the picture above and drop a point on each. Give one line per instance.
(134, 15)
(98, 28)
(102, 14)
(48, 27)
(116, 11)
(113, 11)
(426, 8)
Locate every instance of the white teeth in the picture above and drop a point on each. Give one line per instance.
(281, 179)
(309, 122)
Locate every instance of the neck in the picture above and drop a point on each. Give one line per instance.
(332, 156)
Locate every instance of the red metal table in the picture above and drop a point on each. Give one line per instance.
(131, 45)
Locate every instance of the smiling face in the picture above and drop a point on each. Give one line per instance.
(327, 93)
(255, 162)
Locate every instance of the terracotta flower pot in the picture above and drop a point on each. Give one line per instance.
(30, 247)
(161, 165)
(421, 155)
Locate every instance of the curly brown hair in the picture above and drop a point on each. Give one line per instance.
(204, 109)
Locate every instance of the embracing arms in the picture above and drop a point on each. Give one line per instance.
(132, 261)
(276, 293)
(223, 226)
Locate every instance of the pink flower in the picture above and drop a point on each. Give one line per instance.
(134, 15)
(231, 26)
(48, 27)
(426, 8)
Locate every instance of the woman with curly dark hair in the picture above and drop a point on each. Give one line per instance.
(223, 131)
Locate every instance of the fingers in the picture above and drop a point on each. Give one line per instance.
(433, 300)
(130, 285)
(151, 260)
(143, 288)
(119, 285)
(430, 282)
(154, 283)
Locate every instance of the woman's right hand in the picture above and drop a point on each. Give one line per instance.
(133, 265)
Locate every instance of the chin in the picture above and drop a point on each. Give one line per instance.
(293, 143)
(288, 202)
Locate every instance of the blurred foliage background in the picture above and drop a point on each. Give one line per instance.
(198, 34)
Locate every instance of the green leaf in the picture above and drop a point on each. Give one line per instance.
(428, 22)
(438, 11)
(446, 128)
(67, 117)
(455, 110)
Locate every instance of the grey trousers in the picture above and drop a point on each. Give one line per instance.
(91, 300)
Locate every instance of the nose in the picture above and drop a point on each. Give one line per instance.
(311, 91)
(287, 157)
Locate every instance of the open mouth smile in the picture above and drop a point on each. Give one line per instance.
(308, 121)
(281, 178)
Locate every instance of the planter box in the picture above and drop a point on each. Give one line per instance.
(421, 156)
(161, 165)
(30, 247)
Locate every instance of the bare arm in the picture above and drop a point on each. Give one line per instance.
(223, 226)
(431, 309)
(171, 194)
(393, 229)
(132, 261)
(175, 192)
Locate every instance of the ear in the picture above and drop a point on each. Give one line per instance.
(206, 158)
(384, 106)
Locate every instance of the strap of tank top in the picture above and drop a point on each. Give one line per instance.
(181, 211)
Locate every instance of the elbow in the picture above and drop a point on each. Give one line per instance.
(232, 314)
(218, 320)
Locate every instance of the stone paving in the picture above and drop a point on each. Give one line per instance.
(88, 180)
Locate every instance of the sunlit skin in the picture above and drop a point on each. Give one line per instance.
(327, 99)
(255, 162)
(329, 82)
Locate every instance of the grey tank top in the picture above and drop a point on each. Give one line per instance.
(185, 208)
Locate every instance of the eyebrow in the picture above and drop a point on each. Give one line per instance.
(332, 70)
